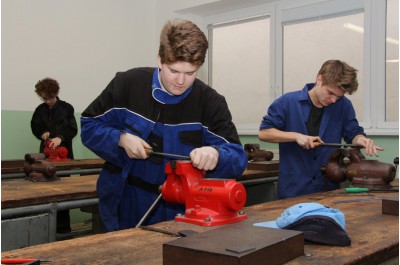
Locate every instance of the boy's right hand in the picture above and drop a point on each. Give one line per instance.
(134, 146)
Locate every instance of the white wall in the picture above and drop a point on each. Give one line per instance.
(82, 44)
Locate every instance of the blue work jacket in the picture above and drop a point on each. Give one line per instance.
(300, 169)
(135, 103)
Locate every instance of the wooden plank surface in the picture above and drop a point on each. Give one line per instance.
(21, 192)
(270, 166)
(375, 236)
(133, 246)
(249, 174)
(17, 166)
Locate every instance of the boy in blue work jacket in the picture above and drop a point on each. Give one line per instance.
(166, 109)
(317, 113)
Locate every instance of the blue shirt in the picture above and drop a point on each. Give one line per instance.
(300, 169)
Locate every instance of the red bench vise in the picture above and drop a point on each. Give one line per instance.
(350, 164)
(209, 202)
(55, 154)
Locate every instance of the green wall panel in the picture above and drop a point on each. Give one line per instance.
(17, 138)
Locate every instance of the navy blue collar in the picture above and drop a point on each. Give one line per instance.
(163, 96)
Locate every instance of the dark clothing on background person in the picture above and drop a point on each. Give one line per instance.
(59, 121)
(135, 102)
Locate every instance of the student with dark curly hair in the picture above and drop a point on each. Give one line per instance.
(54, 121)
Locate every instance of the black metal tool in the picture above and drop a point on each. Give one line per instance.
(181, 233)
(145, 216)
(337, 145)
(180, 157)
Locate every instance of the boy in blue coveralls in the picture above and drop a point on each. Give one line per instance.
(319, 112)
(166, 109)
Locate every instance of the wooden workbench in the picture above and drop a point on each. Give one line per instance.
(17, 166)
(29, 208)
(271, 166)
(21, 192)
(375, 236)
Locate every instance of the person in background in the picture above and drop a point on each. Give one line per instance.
(54, 121)
(317, 113)
(166, 109)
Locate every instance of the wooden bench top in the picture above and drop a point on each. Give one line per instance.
(21, 192)
(17, 166)
(375, 236)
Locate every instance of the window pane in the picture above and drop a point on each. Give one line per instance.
(392, 61)
(241, 69)
(307, 45)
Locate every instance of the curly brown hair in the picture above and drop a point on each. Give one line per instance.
(339, 74)
(47, 87)
(182, 41)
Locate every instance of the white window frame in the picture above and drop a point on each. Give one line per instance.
(242, 16)
(281, 12)
(374, 52)
(378, 22)
(251, 127)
